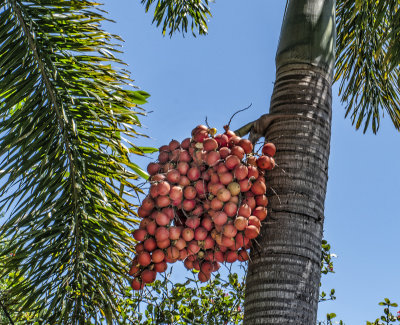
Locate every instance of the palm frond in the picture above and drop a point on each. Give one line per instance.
(366, 43)
(178, 15)
(66, 108)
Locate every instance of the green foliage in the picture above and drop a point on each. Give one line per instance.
(387, 317)
(178, 15)
(367, 62)
(68, 116)
(219, 301)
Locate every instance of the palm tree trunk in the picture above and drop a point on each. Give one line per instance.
(284, 272)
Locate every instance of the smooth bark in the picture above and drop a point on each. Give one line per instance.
(284, 272)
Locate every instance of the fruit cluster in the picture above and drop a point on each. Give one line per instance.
(205, 204)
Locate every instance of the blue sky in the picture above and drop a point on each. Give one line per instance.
(191, 78)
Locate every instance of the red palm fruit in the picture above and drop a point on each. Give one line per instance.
(204, 277)
(196, 264)
(223, 249)
(148, 203)
(189, 192)
(137, 284)
(269, 149)
(173, 176)
(201, 188)
(258, 187)
(187, 234)
(163, 243)
(218, 227)
(184, 157)
(253, 172)
(219, 256)
(223, 195)
(264, 162)
(193, 248)
(174, 155)
(210, 144)
(261, 200)
(184, 181)
(240, 172)
(182, 168)
(175, 232)
(207, 223)
(234, 188)
(193, 173)
(163, 157)
(192, 222)
(234, 141)
(238, 152)
(206, 267)
(260, 212)
(214, 233)
(200, 233)
(222, 140)
(163, 148)
(234, 199)
(250, 201)
(151, 227)
(140, 234)
(167, 166)
(205, 177)
(163, 201)
(162, 233)
(144, 258)
(157, 256)
(253, 220)
(245, 185)
(232, 161)
(174, 144)
(142, 213)
(160, 267)
(212, 158)
(172, 252)
(150, 244)
(230, 256)
(192, 258)
(182, 254)
(153, 168)
(225, 178)
(216, 204)
(143, 224)
(229, 230)
(154, 190)
(188, 205)
(241, 223)
(163, 188)
(188, 264)
(170, 212)
(214, 188)
(221, 168)
(244, 211)
(240, 241)
(215, 266)
(148, 276)
(229, 134)
(230, 209)
(198, 210)
(139, 248)
(185, 143)
(227, 241)
(162, 219)
(251, 231)
(220, 218)
(134, 269)
(243, 255)
(180, 243)
(214, 178)
(209, 243)
(200, 136)
(246, 145)
(224, 152)
(176, 193)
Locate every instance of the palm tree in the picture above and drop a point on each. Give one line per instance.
(284, 272)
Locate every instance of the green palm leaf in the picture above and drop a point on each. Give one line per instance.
(178, 15)
(367, 62)
(67, 119)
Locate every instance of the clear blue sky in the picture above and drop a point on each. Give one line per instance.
(190, 78)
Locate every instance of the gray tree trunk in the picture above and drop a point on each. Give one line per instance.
(284, 272)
